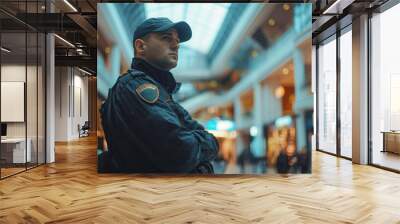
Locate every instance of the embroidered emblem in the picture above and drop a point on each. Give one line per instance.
(148, 92)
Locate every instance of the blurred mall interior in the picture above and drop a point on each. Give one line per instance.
(272, 82)
(239, 74)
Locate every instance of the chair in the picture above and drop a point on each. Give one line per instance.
(84, 130)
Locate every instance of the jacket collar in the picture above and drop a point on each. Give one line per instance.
(165, 78)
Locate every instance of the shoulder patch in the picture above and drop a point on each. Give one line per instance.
(148, 92)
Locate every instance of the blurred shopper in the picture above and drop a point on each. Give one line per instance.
(292, 157)
(147, 131)
(228, 153)
(282, 164)
(303, 161)
(246, 159)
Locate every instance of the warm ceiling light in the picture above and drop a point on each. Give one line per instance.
(286, 7)
(71, 6)
(212, 110)
(279, 92)
(271, 22)
(254, 53)
(64, 40)
(213, 84)
(107, 50)
(5, 50)
(253, 131)
(285, 71)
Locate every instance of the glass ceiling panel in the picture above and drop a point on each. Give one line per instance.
(197, 15)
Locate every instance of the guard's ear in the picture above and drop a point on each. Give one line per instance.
(140, 46)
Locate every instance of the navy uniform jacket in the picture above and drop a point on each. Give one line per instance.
(147, 131)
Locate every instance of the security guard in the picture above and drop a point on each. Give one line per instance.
(146, 130)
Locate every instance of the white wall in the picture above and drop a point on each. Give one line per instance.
(33, 127)
(79, 117)
(15, 72)
(71, 93)
(61, 103)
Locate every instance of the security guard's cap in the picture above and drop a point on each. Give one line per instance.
(162, 24)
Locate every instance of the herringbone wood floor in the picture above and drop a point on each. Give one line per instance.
(71, 191)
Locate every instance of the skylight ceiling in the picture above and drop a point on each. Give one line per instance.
(204, 19)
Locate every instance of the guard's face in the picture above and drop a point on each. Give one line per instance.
(161, 49)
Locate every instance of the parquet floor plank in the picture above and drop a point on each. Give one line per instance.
(71, 191)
